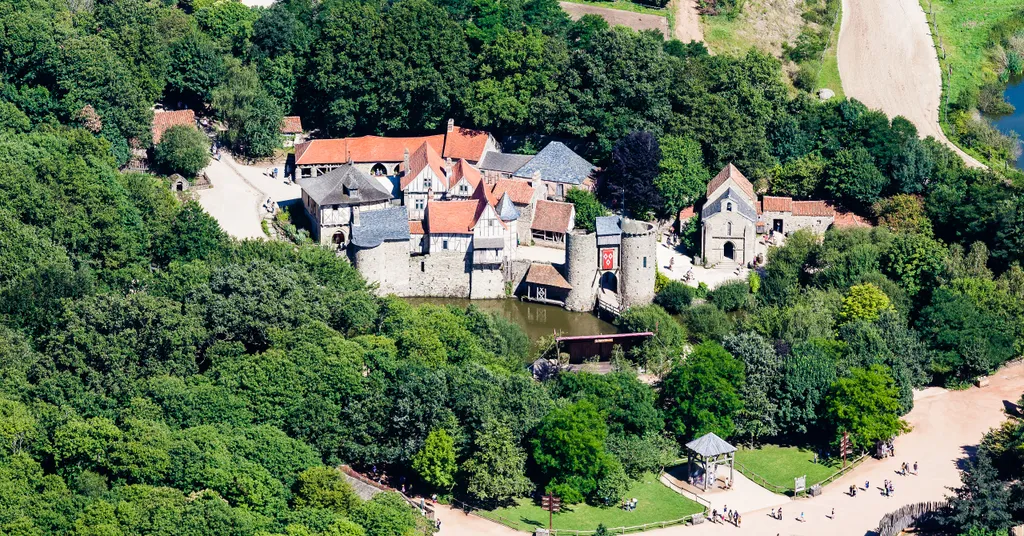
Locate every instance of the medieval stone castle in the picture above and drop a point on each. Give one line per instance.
(447, 215)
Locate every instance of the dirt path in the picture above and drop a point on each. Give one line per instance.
(687, 23)
(887, 61)
(618, 17)
(946, 425)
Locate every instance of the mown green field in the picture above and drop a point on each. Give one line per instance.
(964, 29)
(780, 465)
(656, 503)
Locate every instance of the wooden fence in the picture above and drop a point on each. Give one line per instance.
(896, 522)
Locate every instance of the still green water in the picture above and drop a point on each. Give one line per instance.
(536, 320)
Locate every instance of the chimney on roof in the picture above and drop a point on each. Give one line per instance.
(451, 125)
(405, 161)
(355, 216)
(448, 167)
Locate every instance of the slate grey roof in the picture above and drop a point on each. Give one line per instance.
(344, 185)
(506, 209)
(557, 163)
(739, 202)
(709, 445)
(504, 162)
(608, 225)
(384, 225)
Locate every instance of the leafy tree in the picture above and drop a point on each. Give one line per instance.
(701, 394)
(588, 208)
(682, 176)
(631, 176)
(864, 302)
(762, 377)
(252, 116)
(731, 296)
(913, 261)
(628, 403)
(385, 514)
(707, 322)
(982, 502)
(808, 373)
(324, 487)
(639, 455)
(435, 461)
(196, 68)
(865, 404)
(903, 213)
(497, 470)
(675, 297)
(801, 177)
(669, 334)
(182, 149)
(853, 178)
(568, 449)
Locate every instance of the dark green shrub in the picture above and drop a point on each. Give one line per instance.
(675, 297)
(731, 296)
(707, 322)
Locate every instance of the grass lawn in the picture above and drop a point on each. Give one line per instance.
(828, 76)
(624, 5)
(964, 27)
(780, 465)
(656, 502)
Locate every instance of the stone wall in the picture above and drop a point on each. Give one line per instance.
(638, 257)
(439, 275)
(581, 271)
(486, 284)
(386, 265)
(518, 274)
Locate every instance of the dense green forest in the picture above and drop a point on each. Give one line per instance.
(160, 378)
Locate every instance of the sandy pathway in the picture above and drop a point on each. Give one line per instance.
(687, 23)
(618, 17)
(887, 61)
(946, 423)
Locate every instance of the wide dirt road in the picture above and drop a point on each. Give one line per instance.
(888, 62)
(946, 425)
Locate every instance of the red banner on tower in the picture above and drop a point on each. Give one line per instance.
(607, 259)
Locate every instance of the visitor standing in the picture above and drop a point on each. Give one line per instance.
(915, 468)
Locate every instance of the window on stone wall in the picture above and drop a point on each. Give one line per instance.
(728, 207)
(645, 262)
(423, 266)
(728, 227)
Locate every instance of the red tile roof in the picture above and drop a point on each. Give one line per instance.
(452, 217)
(553, 216)
(464, 169)
(845, 218)
(482, 192)
(465, 143)
(686, 213)
(812, 208)
(776, 204)
(416, 228)
(425, 156)
(731, 172)
(547, 275)
(365, 149)
(519, 191)
(291, 124)
(165, 120)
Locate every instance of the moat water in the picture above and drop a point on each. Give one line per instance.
(1015, 121)
(536, 320)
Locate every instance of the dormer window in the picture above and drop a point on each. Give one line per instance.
(428, 184)
(728, 206)
(463, 188)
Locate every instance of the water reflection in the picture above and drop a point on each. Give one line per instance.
(536, 320)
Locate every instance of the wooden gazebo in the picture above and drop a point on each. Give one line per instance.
(711, 451)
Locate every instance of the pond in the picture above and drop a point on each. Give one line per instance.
(536, 320)
(1015, 121)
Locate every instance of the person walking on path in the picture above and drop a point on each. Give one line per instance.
(915, 468)
(833, 516)
(780, 513)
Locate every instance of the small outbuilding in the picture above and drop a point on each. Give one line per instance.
(179, 183)
(710, 451)
(291, 130)
(545, 285)
(552, 220)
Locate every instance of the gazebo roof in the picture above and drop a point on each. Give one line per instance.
(709, 445)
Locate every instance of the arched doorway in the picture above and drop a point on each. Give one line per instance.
(378, 170)
(610, 282)
(730, 251)
(338, 239)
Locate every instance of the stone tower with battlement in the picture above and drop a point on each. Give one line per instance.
(619, 260)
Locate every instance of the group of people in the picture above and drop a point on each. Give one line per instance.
(905, 469)
(730, 516)
(888, 488)
(630, 505)
(270, 206)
